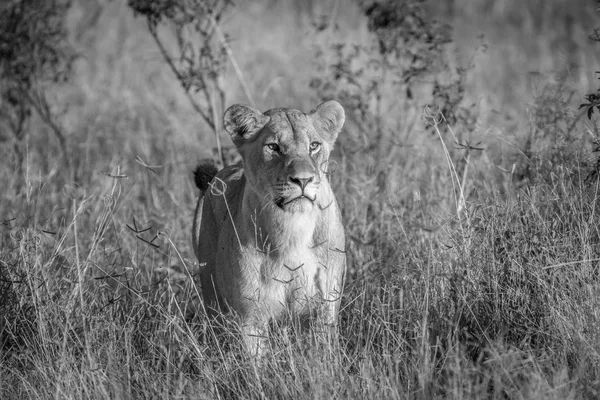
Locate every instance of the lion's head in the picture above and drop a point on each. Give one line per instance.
(285, 151)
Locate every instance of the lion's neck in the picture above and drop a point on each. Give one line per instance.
(271, 228)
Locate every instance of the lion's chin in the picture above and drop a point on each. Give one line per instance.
(297, 205)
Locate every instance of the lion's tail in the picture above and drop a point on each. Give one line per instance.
(203, 174)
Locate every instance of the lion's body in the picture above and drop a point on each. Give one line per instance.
(268, 234)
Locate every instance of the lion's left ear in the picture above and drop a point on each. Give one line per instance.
(329, 118)
(243, 123)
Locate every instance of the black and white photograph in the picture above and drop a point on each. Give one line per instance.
(300, 199)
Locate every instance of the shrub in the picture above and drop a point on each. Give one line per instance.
(381, 85)
(34, 53)
(202, 53)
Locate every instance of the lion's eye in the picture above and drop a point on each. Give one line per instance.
(315, 146)
(273, 147)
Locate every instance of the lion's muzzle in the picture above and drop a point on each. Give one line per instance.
(301, 181)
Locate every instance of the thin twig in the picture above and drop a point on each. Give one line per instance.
(41, 107)
(234, 63)
(566, 264)
(169, 61)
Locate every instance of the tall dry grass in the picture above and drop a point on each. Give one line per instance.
(471, 275)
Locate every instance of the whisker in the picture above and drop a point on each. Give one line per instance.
(266, 203)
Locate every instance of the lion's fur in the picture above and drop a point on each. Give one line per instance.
(268, 233)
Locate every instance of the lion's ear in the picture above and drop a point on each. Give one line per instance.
(243, 122)
(329, 118)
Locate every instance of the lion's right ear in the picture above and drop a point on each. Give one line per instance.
(243, 122)
(329, 118)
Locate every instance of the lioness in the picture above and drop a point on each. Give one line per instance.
(268, 233)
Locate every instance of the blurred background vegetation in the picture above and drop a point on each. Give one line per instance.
(466, 172)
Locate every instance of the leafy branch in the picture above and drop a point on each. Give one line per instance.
(593, 101)
(202, 52)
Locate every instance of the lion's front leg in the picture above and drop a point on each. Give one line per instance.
(255, 325)
(327, 318)
(255, 338)
(327, 321)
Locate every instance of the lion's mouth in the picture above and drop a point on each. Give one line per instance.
(281, 203)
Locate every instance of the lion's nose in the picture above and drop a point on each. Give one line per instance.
(302, 182)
